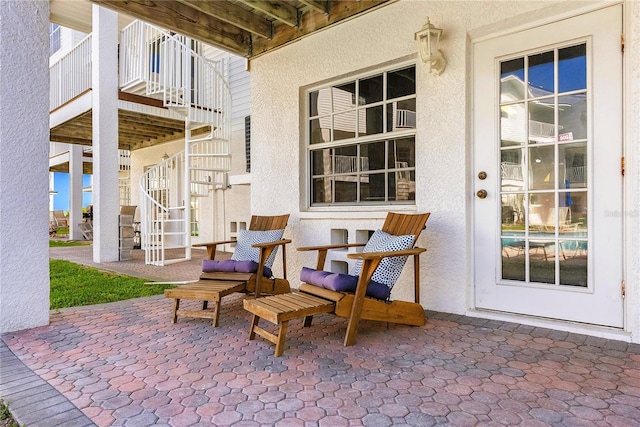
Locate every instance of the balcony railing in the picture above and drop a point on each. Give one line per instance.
(70, 76)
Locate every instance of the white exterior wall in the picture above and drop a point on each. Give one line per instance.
(443, 146)
(24, 176)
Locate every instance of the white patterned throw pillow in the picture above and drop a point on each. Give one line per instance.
(247, 238)
(390, 268)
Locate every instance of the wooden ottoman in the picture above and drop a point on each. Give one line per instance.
(205, 290)
(279, 309)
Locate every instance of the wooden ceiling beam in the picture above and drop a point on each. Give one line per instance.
(282, 11)
(321, 6)
(313, 21)
(234, 15)
(187, 21)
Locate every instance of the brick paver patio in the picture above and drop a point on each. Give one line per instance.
(126, 364)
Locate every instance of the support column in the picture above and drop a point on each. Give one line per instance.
(24, 164)
(75, 191)
(106, 199)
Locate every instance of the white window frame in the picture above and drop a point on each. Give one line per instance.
(358, 141)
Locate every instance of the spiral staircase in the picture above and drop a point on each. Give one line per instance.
(168, 66)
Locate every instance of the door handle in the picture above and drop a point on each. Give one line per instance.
(481, 194)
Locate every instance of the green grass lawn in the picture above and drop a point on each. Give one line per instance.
(75, 285)
(63, 243)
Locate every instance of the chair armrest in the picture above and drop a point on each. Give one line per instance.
(271, 244)
(374, 255)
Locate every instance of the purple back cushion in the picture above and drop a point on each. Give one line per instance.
(229, 265)
(342, 283)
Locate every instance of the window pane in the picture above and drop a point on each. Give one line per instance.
(573, 265)
(320, 130)
(401, 115)
(512, 124)
(541, 121)
(346, 160)
(346, 189)
(375, 153)
(402, 185)
(572, 68)
(572, 117)
(321, 190)
(313, 104)
(541, 80)
(512, 80)
(402, 153)
(344, 97)
(344, 125)
(401, 83)
(321, 162)
(373, 120)
(372, 188)
(370, 90)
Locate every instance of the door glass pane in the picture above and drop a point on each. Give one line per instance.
(573, 263)
(572, 117)
(573, 164)
(512, 80)
(542, 266)
(511, 175)
(513, 214)
(541, 168)
(541, 80)
(513, 259)
(572, 68)
(512, 124)
(542, 214)
(541, 121)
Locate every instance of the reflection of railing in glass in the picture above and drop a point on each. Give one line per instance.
(577, 174)
(349, 164)
(542, 129)
(511, 171)
(404, 119)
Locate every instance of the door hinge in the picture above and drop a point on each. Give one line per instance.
(624, 289)
(622, 42)
(622, 165)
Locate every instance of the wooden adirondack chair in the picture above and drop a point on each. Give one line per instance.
(214, 285)
(311, 299)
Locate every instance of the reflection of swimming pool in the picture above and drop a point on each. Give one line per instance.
(568, 240)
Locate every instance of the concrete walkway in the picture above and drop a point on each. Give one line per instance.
(126, 364)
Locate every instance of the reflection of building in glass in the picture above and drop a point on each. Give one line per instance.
(529, 135)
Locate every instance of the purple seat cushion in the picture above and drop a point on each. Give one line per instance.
(229, 265)
(342, 283)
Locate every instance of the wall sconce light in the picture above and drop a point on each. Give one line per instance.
(428, 39)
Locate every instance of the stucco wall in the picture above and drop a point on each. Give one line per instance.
(443, 163)
(24, 136)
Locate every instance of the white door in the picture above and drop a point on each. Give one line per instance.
(547, 170)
